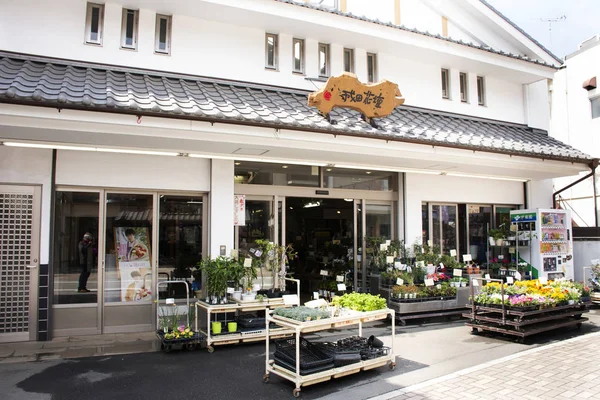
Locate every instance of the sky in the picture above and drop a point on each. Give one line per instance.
(582, 21)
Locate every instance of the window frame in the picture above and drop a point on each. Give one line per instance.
(481, 91)
(275, 66)
(351, 68)
(169, 19)
(463, 81)
(593, 100)
(302, 57)
(373, 57)
(326, 47)
(88, 24)
(135, 29)
(445, 78)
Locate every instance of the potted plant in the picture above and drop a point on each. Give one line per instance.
(217, 274)
(273, 259)
(497, 235)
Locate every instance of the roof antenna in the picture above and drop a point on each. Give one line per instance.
(551, 21)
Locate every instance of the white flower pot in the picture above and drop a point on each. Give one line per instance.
(237, 295)
(571, 302)
(499, 242)
(463, 284)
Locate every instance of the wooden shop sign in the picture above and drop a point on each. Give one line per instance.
(375, 100)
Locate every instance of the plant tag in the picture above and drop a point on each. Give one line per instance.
(492, 241)
(258, 253)
(234, 254)
(400, 281)
(271, 253)
(421, 264)
(170, 301)
(388, 242)
(510, 280)
(430, 269)
(340, 278)
(247, 262)
(398, 265)
(500, 257)
(341, 287)
(389, 259)
(324, 272)
(543, 280)
(467, 258)
(252, 250)
(488, 277)
(383, 247)
(230, 290)
(429, 282)
(518, 275)
(316, 295)
(512, 250)
(429, 243)
(475, 282)
(453, 253)
(457, 272)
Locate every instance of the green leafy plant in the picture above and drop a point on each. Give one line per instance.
(218, 272)
(360, 301)
(301, 313)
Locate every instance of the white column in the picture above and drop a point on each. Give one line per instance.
(221, 206)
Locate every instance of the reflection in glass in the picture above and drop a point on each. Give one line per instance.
(425, 222)
(129, 250)
(436, 233)
(258, 213)
(344, 178)
(503, 216)
(479, 218)
(256, 173)
(379, 220)
(75, 266)
(449, 227)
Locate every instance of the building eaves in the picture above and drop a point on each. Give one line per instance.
(46, 82)
(424, 33)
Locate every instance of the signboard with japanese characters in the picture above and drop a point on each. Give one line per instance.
(239, 210)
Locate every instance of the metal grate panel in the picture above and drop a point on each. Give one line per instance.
(16, 221)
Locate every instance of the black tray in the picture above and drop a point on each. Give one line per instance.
(251, 321)
(374, 352)
(311, 356)
(341, 356)
(283, 362)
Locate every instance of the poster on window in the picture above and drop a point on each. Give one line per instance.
(239, 210)
(132, 246)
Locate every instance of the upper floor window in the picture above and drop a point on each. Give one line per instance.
(298, 51)
(129, 29)
(349, 60)
(464, 87)
(445, 83)
(271, 49)
(94, 21)
(324, 60)
(480, 91)
(595, 102)
(372, 67)
(162, 36)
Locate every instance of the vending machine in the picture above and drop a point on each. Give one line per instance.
(544, 242)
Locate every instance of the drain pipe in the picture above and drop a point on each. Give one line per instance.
(594, 165)
(592, 174)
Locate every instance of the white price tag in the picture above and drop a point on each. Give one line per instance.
(512, 250)
(400, 281)
(430, 269)
(230, 290)
(453, 253)
(340, 278)
(388, 242)
(389, 259)
(500, 257)
(324, 272)
(398, 265)
(316, 295)
(429, 243)
(383, 247)
(457, 272)
(234, 254)
(442, 266)
(543, 280)
(258, 253)
(518, 275)
(475, 282)
(510, 280)
(341, 287)
(429, 282)
(247, 262)
(421, 264)
(488, 277)
(467, 258)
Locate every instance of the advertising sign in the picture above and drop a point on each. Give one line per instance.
(132, 246)
(239, 210)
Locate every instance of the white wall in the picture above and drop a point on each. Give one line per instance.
(537, 112)
(31, 167)
(448, 189)
(80, 168)
(221, 206)
(539, 194)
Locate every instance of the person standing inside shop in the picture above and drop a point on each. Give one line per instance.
(86, 261)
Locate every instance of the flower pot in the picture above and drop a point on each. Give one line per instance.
(571, 302)
(463, 284)
(499, 242)
(215, 327)
(248, 297)
(232, 326)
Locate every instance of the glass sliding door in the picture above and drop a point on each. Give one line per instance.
(444, 227)
(480, 218)
(377, 223)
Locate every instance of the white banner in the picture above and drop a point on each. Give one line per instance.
(239, 210)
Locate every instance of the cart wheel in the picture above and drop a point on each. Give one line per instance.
(266, 378)
(296, 392)
(402, 322)
(392, 365)
(162, 346)
(474, 331)
(577, 316)
(210, 349)
(521, 340)
(190, 346)
(168, 348)
(579, 325)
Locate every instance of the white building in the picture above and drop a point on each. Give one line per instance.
(151, 116)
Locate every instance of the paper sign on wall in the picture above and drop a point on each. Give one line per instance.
(324, 272)
(234, 254)
(467, 258)
(400, 281)
(475, 282)
(341, 287)
(239, 210)
(340, 278)
(518, 275)
(457, 272)
(509, 279)
(429, 243)
(247, 262)
(543, 280)
(429, 282)
(452, 253)
(389, 259)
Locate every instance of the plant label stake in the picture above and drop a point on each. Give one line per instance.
(429, 282)
(340, 278)
(457, 272)
(510, 280)
(248, 262)
(316, 295)
(453, 253)
(341, 287)
(467, 258)
(400, 281)
(389, 259)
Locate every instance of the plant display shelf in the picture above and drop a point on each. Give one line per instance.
(524, 323)
(357, 318)
(241, 335)
(595, 297)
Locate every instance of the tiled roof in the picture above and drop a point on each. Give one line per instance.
(40, 81)
(437, 36)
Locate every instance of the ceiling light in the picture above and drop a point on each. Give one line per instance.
(237, 163)
(291, 208)
(368, 172)
(258, 159)
(312, 204)
(85, 148)
(284, 166)
(499, 178)
(328, 169)
(348, 200)
(194, 202)
(339, 212)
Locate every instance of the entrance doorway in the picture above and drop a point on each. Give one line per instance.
(323, 233)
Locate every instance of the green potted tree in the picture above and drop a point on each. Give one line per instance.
(217, 275)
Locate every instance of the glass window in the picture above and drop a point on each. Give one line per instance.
(180, 239)
(94, 22)
(595, 104)
(128, 251)
(480, 91)
(343, 178)
(258, 225)
(379, 220)
(163, 34)
(464, 87)
(480, 218)
(75, 266)
(298, 51)
(372, 67)
(271, 49)
(444, 227)
(425, 221)
(129, 29)
(256, 173)
(349, 60)
(323, 60)
(445, 84)
(502, 217)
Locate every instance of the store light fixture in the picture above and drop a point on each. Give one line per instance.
(312, 204)
(85, 148)
(498, 178)
(284, 166)
(349, 200)
(339, 212)
(258, 159)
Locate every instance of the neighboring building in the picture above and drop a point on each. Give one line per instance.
(576, 121)
(145, 122)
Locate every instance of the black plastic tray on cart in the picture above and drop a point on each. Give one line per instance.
(341, 356)
(251, 321)
(311, 356)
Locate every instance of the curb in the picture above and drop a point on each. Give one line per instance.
(467, 371)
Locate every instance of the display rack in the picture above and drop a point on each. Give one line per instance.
(323, 324)
(523, 323)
